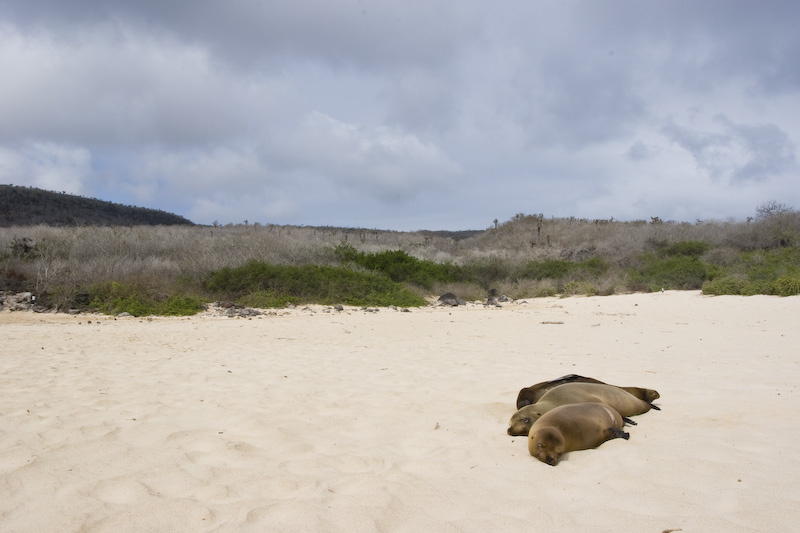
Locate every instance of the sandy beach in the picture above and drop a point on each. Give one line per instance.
(316, 420)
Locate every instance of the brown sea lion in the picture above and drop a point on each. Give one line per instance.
(625, 403)
(578, 426)
(531, 394)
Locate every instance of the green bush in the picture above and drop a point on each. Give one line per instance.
(268, 299)
(346, 253)
(397, 265)
(179, 306)
(681, 272)
(737, 287)
(547, 269)
(308, 283)
(787, 286)
(596, 266)
(483, 272)
(726, 285)
(114, 298)
(772, 264)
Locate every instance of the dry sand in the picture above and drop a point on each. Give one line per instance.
(389, 421)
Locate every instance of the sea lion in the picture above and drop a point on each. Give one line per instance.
(577, 426)
(624, 402)
(532, 394)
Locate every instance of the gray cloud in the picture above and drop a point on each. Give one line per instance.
(363, 33)
(370, 113)
(380, 162)
(739, 152)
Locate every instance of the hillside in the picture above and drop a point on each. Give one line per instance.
(26, 206)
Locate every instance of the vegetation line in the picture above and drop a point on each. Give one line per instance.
(175, 269)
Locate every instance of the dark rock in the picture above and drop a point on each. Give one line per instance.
(20, 301)
(451, 300)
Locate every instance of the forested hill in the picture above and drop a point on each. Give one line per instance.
(26, 206)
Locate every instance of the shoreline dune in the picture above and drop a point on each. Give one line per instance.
(389, 421)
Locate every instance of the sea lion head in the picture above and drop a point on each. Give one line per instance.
(651, 395)
(546, 444)
(522, 420)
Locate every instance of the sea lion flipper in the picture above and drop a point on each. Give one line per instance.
(618, 434)
(628, 421)
(657, 408)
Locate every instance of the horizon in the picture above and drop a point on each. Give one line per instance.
(494, 224)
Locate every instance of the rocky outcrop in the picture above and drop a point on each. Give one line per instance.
(17, 301)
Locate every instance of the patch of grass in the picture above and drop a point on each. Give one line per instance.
(787, 286)
(274, 285)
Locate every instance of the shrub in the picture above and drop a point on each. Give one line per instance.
(114, 298)
(179, 306)
(736, 287)
(397, 265)
(787, 286)
(268, 299)
(596, 266)
(680, 272)
(579, 287)
(484, 272)
(544, 289)
(309, 283)
(685, 248)
(547, 269)
(726, 285)
(23, 248)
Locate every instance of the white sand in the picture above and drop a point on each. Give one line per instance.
(396, 421)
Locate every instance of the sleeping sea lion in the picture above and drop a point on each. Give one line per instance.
(532, 394)
(577, 426)
(625, 403)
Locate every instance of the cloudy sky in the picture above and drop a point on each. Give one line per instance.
(406, 115)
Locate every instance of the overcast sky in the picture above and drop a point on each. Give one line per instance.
(406, 115)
